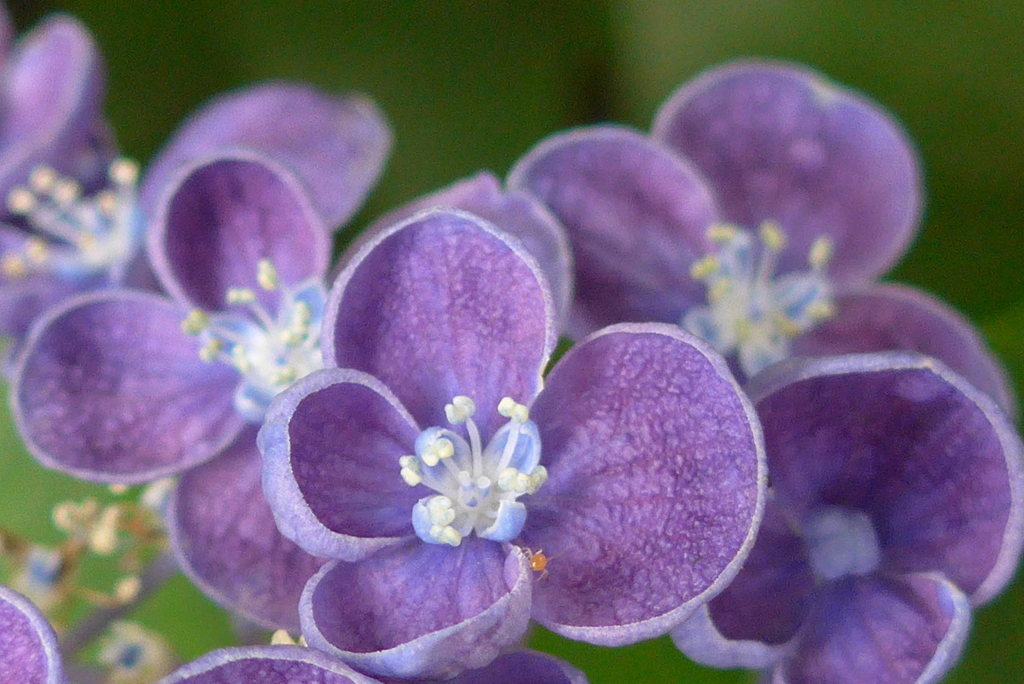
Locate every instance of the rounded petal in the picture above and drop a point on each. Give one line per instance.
(266, 665)
(331, 444)
(51, 89)
(514, 212)
(224, 538)
(220, 216)
(420, 610)
(28, 644)
(637, 216)
(934, 463)
(440, 306)
(109, 389)
(336, 145)
(656, 487)
(903, 630)
(523, 667)
(779, 142)
(890, 317)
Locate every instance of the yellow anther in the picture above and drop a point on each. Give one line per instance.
(42, 179)
(106, 202)
(721, 232)
(65, 191)
(461, 408)
(284, 376)
(821, 310)
(786, 325)
(13, 266)
(21, 201)
(211, 350)
(86, 242)
(513, 410)
(411, 477)
(302, 314)
(704, 267)
(123, 171)
(282, 638)
(241, 295)
(537, 478)
(821, 252)
(37, 250)
(719, 289)
(438, 451)
(195, 322)
(772, 236)
(240, 360)
(266, 275)
(103, 536)
(447, 535)
(117, 489)
(127, 589)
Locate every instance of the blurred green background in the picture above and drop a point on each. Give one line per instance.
(470, 85)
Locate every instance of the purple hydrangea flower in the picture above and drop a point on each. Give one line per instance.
(896, 505)
(28, 644)
(128, 386)
(428, 462)
(765, 203)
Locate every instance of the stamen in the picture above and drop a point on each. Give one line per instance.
(266, 275)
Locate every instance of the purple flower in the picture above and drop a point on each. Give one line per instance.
(128, 386)
(427, 460)
(757, 215)
(896, 505)
(28, 644)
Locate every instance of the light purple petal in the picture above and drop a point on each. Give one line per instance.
(223, 535)
(109, 389)
(637, 217)
(331, 444)
(439, 306)
(266, 665)
(656, 486)
(336, 145)
(890, 317)
(523, 667)
(779, 142)
(932, 461)
(420, 610)
(514, 212)
(28, 644)
(221, 215)
(51, 92)
(898, 630)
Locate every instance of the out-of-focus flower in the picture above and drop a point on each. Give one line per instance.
(28, 644)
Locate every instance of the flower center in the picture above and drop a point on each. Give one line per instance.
(75, 237)
(477, 488)
(271, 352)
(749, 309)
(841, 541)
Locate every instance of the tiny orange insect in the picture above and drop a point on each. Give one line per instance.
(538, 561)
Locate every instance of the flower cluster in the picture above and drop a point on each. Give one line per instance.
(751, 444)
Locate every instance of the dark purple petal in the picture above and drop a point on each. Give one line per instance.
(779, 142)
(523, 667)
(420, 610)
(336, 145)
(441, 306)
(223, 214)
(224, 537)
(331, 444)
(514, 212)
(109, 389)
(656, 484)
(6, 33)
(266, 665)
(28, 644)
(933, 462)
(637, 217)
(50, 100)
(891, 317)
(877, 628)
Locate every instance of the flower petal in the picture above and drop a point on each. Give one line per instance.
(109, 389)
(224, 538)
(336, 145)
(779, 142)
(28, 644)
(331, 444)
(523, 667)
(221, 215)
(637, 217)
(420, 610)
(932, 460)
(656, 485)
(439, 306)
(890, 317)
(903, 630)
(266, 665)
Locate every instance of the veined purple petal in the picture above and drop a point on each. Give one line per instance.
(420, 610)
(514, 212)
(221, 215)
(28, 644)
(336, 145)
(266, 665)
(224, 538)
(933, 462)
(331, 445)
(51, 95)
(523, 667)
(879, 628)
(109, 389)
(891, 317)
(439, 306)
(656, 488)
(779, 142)
(637, 216)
